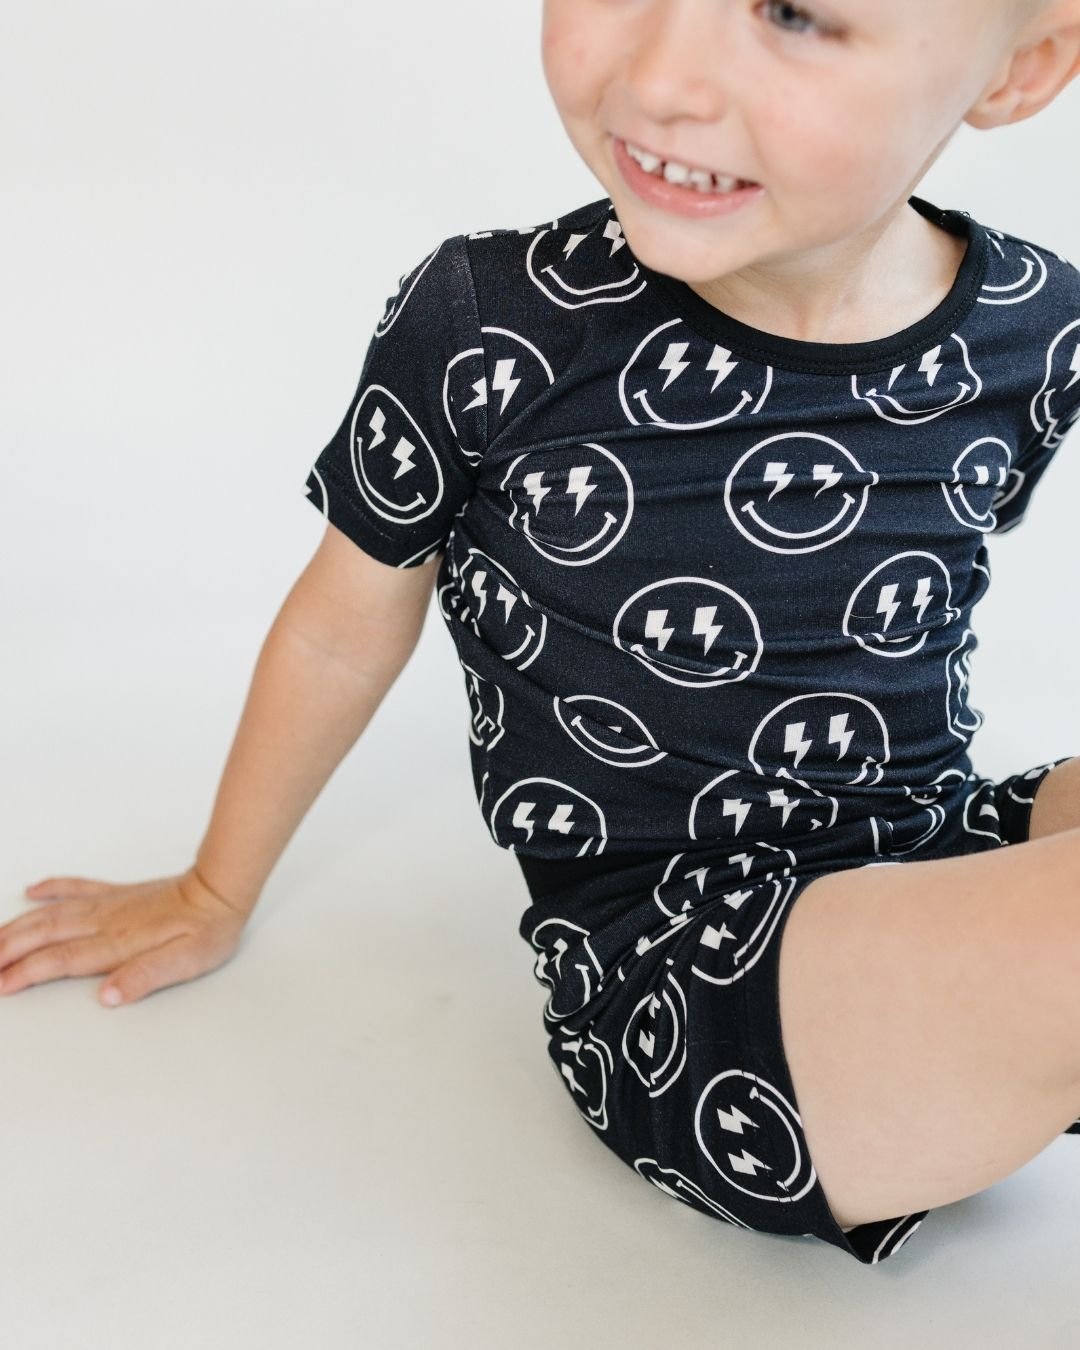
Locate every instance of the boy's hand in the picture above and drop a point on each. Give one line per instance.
(147, 935)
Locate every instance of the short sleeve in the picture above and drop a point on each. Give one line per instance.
(1012, 499)
(402, 464)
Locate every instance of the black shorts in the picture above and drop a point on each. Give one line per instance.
(663, 1021)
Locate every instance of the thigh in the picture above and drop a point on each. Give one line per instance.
(930, 1016)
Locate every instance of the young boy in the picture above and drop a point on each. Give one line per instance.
(701, 473)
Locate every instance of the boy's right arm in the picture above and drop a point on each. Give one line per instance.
(340, 639)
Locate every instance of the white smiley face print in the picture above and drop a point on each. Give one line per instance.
(733, 807)
(654, 1039)
(482, 593)
(1022, 271)
(738, 929)
(981, 815)
(893, 609)
(829, 737)
(520, 372)
(487, 703)
(607, 730)
(567, 965)
(731, 1125)
(676, 379)
(978, 484)
(539, 812)
(673, 1183)
(1057, 403)
(395, 468)
(910, 836)
(572, 504)
(963, 719)
(939, 381)
(585, 1063)
(690, 631)
(797, 492)
(688, 883)
(575, 268)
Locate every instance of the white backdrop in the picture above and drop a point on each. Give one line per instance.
(205, 207)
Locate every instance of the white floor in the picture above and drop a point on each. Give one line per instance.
(350, 1135)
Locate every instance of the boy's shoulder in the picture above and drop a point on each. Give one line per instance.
(551, 252)
(545, 281)
(584, 216)
(1030, 298)
(568, 259)
(1028, 316)
(1021, 267)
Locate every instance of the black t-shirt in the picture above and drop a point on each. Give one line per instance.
(707, 584)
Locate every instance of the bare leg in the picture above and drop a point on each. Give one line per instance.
(931, 1017)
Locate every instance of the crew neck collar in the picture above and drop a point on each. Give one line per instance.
(841, 358)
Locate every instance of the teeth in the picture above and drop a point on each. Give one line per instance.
(677, 173)
(674, 172)
(648, 162)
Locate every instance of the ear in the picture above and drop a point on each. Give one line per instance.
(1034, 73)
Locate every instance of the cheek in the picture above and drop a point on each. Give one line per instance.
(842, 133)
(564, 54)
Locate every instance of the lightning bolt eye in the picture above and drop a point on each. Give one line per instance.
(923, 596)
(828, 475)
(930, 365)
(656, 628)
(403, 452)
(578, 485)
(613, 231)
(778, 474)
(533, 483)
(673, 362)
(735, 806)
(720, 361)
(560, 819)
(795, 741)
(779, 798)
(888, 604)
(523, 818)
(1074, 368)
(704, 625)
(839, 734)
(503, 382)
(378, 421)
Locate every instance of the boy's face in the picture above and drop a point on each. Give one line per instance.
(836, 108)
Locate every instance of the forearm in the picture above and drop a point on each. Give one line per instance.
(304, 710)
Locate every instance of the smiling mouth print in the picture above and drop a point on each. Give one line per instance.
(849, 503)
(649, 653)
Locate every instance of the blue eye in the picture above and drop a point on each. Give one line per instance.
(774, 6)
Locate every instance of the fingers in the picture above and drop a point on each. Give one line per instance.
(73, 937)
(145, 936)
(73, 919)
(72, 956)
(171, 963)
(63, 888)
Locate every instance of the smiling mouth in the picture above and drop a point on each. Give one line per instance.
(682, 172)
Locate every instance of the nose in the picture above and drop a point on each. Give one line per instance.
(676, 69)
